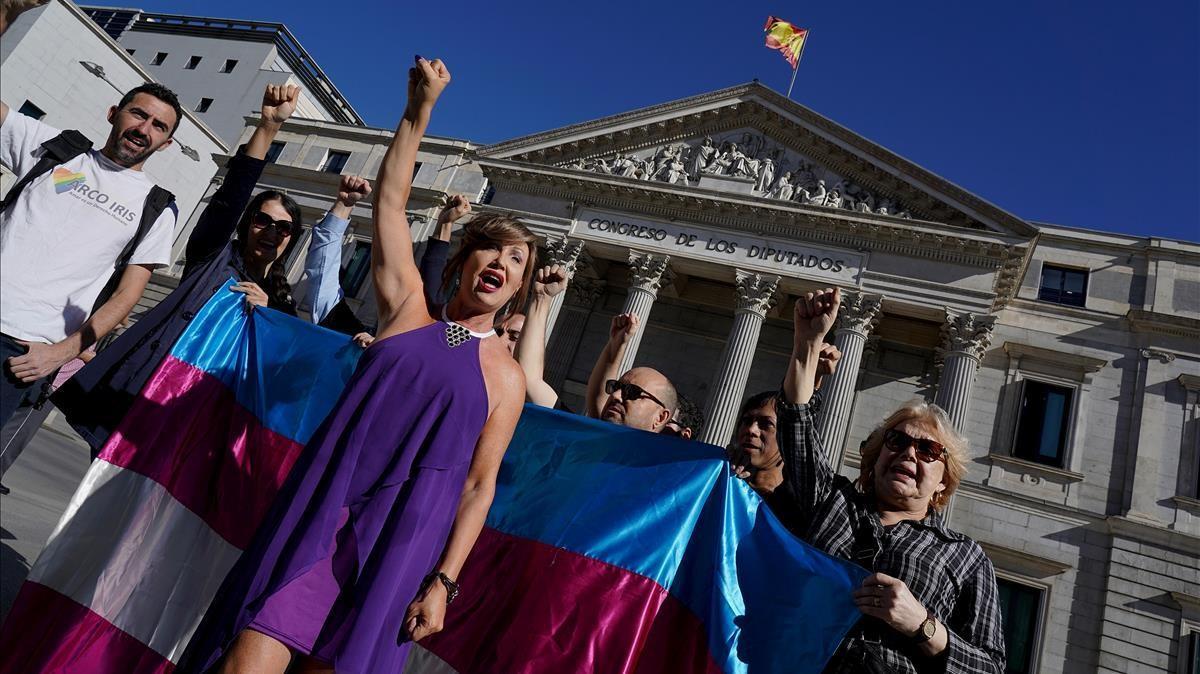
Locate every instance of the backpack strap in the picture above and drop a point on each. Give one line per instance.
(58, 150)
(157, 201)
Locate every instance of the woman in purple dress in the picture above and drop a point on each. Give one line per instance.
(360, 551)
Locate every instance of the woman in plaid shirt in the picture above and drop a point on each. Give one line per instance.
(931, 603)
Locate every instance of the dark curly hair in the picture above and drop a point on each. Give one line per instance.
(689, 415)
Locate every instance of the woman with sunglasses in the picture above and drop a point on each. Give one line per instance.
(361, 550)
(98, 396)
(931, 602)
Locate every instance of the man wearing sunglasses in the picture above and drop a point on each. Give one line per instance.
(642, 398)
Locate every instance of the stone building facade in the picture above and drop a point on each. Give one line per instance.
(1070, 358)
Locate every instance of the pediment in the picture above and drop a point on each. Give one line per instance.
(751, 141)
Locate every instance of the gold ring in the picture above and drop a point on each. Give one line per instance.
(876, 602)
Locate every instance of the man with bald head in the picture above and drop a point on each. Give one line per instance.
(642, 398)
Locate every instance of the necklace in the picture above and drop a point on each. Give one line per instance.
(457, 335)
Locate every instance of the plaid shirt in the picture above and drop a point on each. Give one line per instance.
(946, 571)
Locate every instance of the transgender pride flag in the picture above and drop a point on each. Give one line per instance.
(614, 550)
(176, 494)
(606, 549)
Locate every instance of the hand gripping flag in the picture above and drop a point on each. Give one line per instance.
(786, 38)
(176, 494)
(609, 549)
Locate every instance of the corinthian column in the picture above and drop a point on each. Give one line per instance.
(583, 293)
(755, 294)
(564, 252)
(857, 318)
(646, 274)
(965, 338)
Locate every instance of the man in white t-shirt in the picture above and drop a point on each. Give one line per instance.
(60, 239)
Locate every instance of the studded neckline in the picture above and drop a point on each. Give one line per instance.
(457, 334)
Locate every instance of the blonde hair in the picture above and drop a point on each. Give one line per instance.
(488, 229)
(933, 419)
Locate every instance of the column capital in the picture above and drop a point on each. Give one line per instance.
(859, 312)
(755, 292)
(564, 252)
(967, 333)
(584, 291)
(648, 272)
(1155, 354)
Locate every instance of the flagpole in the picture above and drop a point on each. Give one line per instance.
(799, 56)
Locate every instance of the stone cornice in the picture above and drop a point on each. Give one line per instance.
(1071, 361)
(763, 216)
(765, 110)
(1163, 324)
(1023, 563)
(1136, 529)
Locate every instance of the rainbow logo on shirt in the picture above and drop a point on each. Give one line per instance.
(65, 179)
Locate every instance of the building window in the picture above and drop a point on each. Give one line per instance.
(30, 110)
(335, 161)
(205, 104)
(1061, 285)
(1043, 423)
(1020, 608)
(274, 150)
(354, 274)
(159, 58)
(1191, 646)
(230, 64)
(192, 63)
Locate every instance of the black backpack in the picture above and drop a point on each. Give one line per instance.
(63, 148)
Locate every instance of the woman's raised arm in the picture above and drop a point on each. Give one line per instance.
(393, 268)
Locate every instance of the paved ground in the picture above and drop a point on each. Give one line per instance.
(42, 481)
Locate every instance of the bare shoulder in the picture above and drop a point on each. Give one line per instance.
(504, 377)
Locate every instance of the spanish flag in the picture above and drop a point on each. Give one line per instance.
(785, 37)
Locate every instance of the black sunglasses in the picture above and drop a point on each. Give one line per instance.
(261, 220)
(927, 450)
(630, 392)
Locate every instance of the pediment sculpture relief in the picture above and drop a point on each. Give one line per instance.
(767, 169)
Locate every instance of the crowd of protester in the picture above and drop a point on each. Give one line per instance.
(460, 337)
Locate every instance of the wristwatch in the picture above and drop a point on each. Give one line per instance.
(451, 586)
(927, 629)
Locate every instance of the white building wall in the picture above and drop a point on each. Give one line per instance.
(40, 57)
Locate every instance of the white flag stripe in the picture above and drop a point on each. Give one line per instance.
(136, 557)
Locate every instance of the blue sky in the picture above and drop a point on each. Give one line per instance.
(1077, 113)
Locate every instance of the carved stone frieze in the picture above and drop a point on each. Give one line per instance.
(772, 171)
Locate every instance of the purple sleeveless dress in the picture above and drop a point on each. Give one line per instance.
(365, 512)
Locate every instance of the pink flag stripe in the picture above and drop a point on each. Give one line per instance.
(58, 636)
(217, 454)
(528, 607)
(135, 557)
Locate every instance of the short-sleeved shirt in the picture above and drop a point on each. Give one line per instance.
(60, 240)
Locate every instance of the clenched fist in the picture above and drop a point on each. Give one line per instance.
(426, 81)
(457, 207)
(623, 328)
(550, 280)
(279, 102)
(352, 190)
(814, 316)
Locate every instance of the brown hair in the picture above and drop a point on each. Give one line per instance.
(933, 419)
(494, 228)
